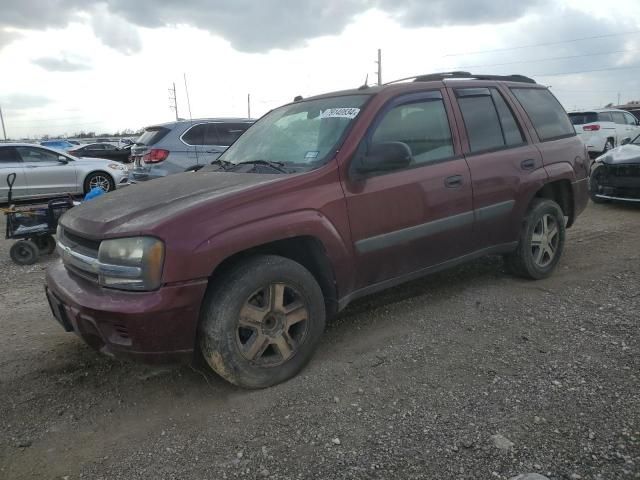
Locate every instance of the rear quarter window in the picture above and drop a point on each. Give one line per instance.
(545, 112)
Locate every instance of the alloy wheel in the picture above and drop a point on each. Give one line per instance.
(545, 240)
(100, 181)
(272, 325)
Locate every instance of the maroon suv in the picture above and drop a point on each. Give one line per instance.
(322, 201)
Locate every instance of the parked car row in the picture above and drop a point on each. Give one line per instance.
(604, 129)
(42, 172)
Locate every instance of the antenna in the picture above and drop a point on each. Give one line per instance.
(186, 89)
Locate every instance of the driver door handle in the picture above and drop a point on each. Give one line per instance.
(528, 164)
(454, 181)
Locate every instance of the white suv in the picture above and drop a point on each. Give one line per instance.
(602, 130)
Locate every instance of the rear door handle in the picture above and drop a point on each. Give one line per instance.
(528, 164)
(454, 181)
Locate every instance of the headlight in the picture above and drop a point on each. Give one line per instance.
(131, 263)
(116, 166)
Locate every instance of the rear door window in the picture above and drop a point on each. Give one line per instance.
(230, 132)
(489, 122)
(618, 118)
(211, 135)
(603, 117)
(195, 135)
(547, 115)
(9, 155)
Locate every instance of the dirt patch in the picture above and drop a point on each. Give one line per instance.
(468, 374)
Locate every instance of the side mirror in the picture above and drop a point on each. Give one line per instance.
(62, 159)
(384, 157)
(625, 141)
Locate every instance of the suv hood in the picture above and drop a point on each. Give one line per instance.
(140, 207)
(624, 155)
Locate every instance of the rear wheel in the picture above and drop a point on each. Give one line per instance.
(608, 145)
(46, 244)
(262, 323)
(99, 179)
(541, 241)
(24, 252)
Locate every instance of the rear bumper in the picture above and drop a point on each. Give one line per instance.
(152, 327)
(594, 143)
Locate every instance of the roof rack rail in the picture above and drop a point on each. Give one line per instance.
(464, 75)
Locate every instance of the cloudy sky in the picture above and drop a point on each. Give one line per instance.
(72, 65)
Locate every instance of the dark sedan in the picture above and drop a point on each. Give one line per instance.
(616, 175)
(102, 150)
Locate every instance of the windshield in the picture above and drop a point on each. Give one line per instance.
(301, 135)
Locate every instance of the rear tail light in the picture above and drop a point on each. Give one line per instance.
(156, 155)
(591, 128)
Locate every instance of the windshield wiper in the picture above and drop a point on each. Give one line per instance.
(270, 163)
(223, 164)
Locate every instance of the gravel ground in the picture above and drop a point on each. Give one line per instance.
(468, 374)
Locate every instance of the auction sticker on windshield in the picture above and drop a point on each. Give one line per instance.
(340, 113)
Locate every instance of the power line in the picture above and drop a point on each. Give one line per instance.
(542, 44)
(567, 57)
(585, 71)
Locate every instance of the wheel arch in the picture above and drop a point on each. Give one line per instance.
(559, 191)
(306, 250)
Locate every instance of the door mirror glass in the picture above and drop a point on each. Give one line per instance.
(385, 156)
(626, 141)
(63, 159)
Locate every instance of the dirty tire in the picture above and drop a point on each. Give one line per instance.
(594, 184)
(99, 179)
(608, 146)
(24, 252)
(539, 252)
(46, 244)
(246, 349)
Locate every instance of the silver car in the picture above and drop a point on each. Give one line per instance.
(183, 145)
(42, 172)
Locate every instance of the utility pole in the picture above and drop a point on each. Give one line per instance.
(248, 105)
(379, 62)
(4, 132)
(618, 99)
(173, 98)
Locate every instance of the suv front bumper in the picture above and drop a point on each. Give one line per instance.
(152, 327)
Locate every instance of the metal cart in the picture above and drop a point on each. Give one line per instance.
(33, 226)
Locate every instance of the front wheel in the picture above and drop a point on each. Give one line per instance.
(261, 324)
(101, 180)
(541, 241)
